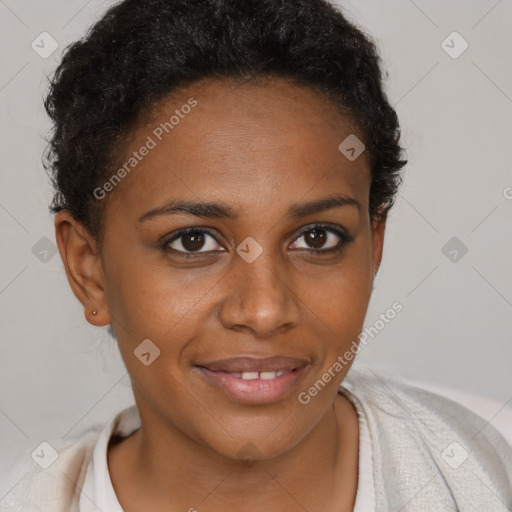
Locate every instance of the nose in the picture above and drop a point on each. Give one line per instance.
(260, 301)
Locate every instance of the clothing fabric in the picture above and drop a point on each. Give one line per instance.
(418, 451)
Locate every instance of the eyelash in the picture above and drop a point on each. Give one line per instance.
(344, 237)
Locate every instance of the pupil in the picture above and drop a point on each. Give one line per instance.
(316, 238)
(196, 241)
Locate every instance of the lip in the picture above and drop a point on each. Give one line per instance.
(255, 391)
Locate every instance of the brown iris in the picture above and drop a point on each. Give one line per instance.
(193, 241)
(315, 238)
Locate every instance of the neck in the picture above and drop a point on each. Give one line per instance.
(162, 466)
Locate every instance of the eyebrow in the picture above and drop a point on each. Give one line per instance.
(223, 211)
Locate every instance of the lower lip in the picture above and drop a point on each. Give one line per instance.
(254, 391)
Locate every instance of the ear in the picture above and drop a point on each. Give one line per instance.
(83, 266)
(378, 229)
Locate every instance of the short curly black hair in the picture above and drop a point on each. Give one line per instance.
(142, 50)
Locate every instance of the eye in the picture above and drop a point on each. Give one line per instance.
(192, 240)
(320, 239)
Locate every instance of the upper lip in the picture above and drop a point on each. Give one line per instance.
(253, 364)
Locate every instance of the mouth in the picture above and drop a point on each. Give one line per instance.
(265, 375)
(252, 380)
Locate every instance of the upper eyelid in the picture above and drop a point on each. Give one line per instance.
(322, 225)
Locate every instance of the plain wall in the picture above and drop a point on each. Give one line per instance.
(58, 374)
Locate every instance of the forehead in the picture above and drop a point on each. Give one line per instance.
(218, 138)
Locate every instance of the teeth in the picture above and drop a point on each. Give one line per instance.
(259, 375)
(249, 375)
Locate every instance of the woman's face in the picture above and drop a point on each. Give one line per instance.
(280, 262)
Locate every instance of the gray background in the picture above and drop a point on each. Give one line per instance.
(59, 375)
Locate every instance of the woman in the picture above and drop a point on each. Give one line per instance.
(223, 172)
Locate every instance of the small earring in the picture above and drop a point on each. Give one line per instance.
(94, 312)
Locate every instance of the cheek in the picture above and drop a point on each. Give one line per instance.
(156, 304)
(343, 291)
(152, 300)
(339, 300)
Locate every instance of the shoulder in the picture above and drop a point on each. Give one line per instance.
(50, 476)
(384, 396)
(427, 444)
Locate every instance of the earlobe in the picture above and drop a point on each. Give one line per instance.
(83, 267)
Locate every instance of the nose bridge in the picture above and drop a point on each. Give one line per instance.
(261, 299)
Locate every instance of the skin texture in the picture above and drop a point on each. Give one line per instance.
(258, 149)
